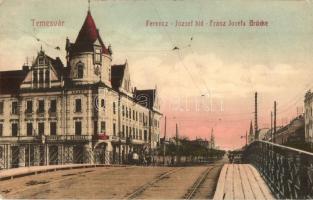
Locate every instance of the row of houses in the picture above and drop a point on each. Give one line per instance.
(298, 132)
(82, 111)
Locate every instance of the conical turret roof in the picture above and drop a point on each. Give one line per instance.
(87, 36)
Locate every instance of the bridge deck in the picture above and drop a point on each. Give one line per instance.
(241, 181)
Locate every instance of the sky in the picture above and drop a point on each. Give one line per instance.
(209, 81)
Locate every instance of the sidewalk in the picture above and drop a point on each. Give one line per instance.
(24, 171)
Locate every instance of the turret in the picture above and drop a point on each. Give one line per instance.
(88, 58)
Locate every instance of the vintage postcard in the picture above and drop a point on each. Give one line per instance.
(145, 99)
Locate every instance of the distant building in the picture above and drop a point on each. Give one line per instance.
(200, 142)
(291, 133)
(308, 116)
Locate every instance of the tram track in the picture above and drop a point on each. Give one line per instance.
(198, 183)
(59, 179)
(144, 187)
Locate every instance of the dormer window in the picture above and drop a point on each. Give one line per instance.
(47, 76)
(97, 56)
(41, 76)
(35, 77)
(41, 61)
(80, 70)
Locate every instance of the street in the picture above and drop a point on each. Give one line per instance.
(117, 182)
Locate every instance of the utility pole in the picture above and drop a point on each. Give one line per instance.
(164, 147)
(176, 134)
(275, 105)
(177, 143)
(212, 139)
(256, 116)
(271, 126)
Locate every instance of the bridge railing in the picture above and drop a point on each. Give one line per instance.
(288, 171)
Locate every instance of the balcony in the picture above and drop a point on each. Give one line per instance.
(19, 139)
(137, 142)
(63, 138)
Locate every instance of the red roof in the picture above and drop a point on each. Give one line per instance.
(117, 74)
(88, 34)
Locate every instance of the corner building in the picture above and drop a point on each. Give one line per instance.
(85, 111)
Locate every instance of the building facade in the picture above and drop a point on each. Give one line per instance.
(308, 116)
(292, 133)
(83, 111)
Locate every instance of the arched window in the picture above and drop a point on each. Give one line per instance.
(80, 70)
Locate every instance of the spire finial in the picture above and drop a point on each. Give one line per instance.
(88, 5)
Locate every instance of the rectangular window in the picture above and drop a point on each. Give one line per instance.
(95, 127)
(114, 108)
(41, 61)
(29, 129)
(133, 115)
(14, 107)
(126, 112)
(102, 127)
(1, 130)
(35, 76)
(41, 106)
(41, 128)
(123, 131)
(78, 105)
(14, 129)
(130, 114)
(41, 76)
(78, 128)
(98, 56)
(29, 106)
(53, 128)
(123, 113)
(53, 106)
(47, 76)
(114, 129)
(1, 107)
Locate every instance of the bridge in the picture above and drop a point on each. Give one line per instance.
(267, 171)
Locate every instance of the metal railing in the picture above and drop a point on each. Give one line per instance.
(288, 171)
(25, 155)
